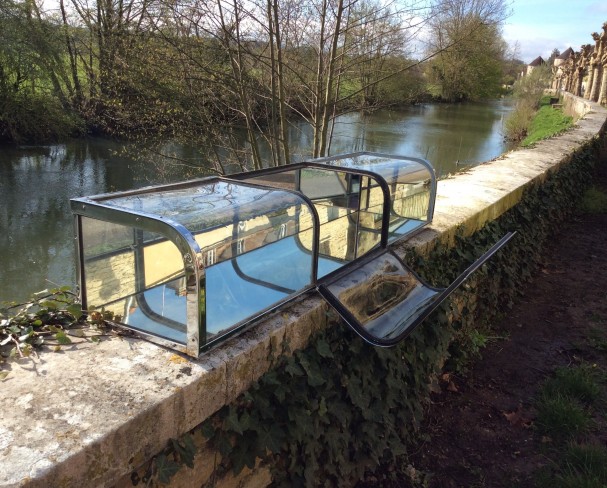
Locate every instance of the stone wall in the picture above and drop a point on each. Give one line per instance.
(94, 413)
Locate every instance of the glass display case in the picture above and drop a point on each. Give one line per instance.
(189, 264)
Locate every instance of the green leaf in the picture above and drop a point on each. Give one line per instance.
(271, 438)
(244, 454)
(294, 369)
(223, 444)
(50, 304)
(62, 338)
(3, 375)
(207, 429)
(165, 469)
(29, 332)
(186, 449)
(75, 309)
(232, 422)
(322, 408)
(323, 348)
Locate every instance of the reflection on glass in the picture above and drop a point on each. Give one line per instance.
(108, 252)
(160, 310)
(409, 183)
(383, 296)
(136, 275)
(246, 245)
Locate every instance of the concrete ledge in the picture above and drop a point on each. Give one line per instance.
(91, 414)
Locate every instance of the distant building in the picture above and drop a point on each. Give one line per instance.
(564, 56)
(539, 61)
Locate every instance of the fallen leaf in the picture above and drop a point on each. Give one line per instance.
(451, 387)
(517, 419)
(175, 358)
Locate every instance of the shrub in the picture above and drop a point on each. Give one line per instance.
(27, 117)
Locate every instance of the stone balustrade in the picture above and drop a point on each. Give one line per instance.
(584, 73)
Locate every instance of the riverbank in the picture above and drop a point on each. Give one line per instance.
(488, 428)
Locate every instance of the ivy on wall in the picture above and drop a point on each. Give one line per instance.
(329, 412)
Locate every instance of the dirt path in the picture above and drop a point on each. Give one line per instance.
(480, 431)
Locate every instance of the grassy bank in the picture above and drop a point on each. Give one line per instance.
(529, 124)
(548, 121)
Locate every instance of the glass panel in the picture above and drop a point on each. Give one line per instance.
(207, 205)
(410, 184)
(336, 197)
(108, 252)
(284, 179)
(371, 214)
(243, 286)
(255, 263)
(283, 265)
(234, 238)
(320, 185)
(137, 275)
(160, 310)
(383, 296)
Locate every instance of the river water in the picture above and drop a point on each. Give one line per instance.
(36, 182)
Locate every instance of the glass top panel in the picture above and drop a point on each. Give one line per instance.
(391, 169)
(206, 205)
(384, 296)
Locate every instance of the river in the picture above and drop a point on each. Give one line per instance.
(36, 182)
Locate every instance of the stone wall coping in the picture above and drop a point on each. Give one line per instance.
(90, 414)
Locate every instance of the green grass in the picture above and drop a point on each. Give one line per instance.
(561, 417)
(578, 383)
(546, 123)
(594, 201)
(564, 410)
(597, 337)
(581, 466)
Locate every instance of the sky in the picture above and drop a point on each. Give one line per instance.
(539, 26)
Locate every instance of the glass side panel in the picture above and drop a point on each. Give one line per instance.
(410, 184)
(336, 197)
(283, 265)
(245, 285)
(160, 310)
(235, 238)
(384, 296)
(108, 253)
(330, 186)
(391, 169)
(137, 275)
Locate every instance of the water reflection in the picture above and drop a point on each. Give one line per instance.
(36, 183)
(448, 135)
